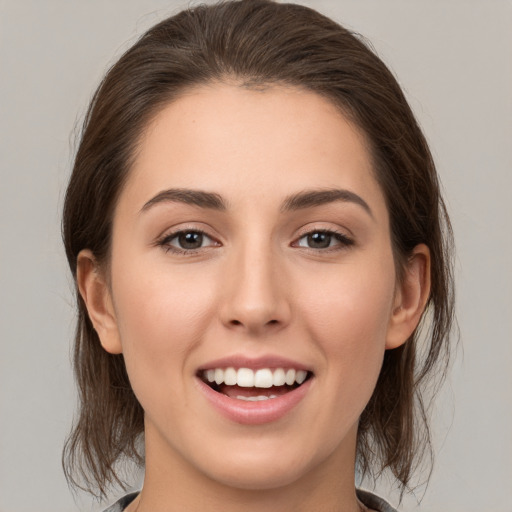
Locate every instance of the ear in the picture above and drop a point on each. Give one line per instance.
(411, 297)
(97, 297)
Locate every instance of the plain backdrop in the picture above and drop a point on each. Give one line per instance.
(454, 60)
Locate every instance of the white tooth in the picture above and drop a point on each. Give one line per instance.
(301, 376)
(210, 375)
(272, 396)
(263, 378)
(279, 377)
(245, 378)
(230, 377)
(219, 375)
(290, 377)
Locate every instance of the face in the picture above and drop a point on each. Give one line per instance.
(252, 285)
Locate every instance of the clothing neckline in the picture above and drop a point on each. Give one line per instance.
(367, 498)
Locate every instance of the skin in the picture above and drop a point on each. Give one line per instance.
(254, 288)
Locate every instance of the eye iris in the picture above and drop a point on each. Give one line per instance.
(319, 240)
(190, 240)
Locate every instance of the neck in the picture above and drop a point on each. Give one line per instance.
(172, 484)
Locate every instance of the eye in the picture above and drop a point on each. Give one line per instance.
(187, 241)
(324, 239)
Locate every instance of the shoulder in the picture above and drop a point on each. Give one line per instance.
(374, 502)
(120, 505)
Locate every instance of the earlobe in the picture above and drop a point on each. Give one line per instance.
(411, 297)
(97, 297)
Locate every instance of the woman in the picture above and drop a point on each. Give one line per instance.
(256, 231)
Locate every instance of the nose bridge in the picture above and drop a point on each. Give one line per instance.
(254, 297)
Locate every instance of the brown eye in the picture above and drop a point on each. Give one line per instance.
(319, 240)
(183, 241)
(190, 240)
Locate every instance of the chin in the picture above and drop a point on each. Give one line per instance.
(257, 477)
(265, 464)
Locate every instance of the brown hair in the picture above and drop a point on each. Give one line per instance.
(256, 42)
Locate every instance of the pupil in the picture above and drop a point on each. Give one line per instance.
(191, 240)
(319, 240)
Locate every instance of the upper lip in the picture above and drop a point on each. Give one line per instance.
(254, 363)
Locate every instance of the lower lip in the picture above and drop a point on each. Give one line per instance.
(254, 413)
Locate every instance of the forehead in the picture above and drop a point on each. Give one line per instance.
(247, 143)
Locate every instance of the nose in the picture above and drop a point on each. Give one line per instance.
(255, 293)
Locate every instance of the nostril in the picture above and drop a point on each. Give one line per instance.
(270, 322)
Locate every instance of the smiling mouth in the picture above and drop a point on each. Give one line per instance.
(254, 385)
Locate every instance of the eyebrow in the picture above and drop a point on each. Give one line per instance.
(299, 201)
(312, 198)
(199, 198)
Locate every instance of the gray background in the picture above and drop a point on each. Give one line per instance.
(454, 59)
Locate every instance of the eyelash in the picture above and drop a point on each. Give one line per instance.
(165, 241)
(343, 241)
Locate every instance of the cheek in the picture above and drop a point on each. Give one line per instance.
(161, 317)
(157, 298)
(348, 316)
